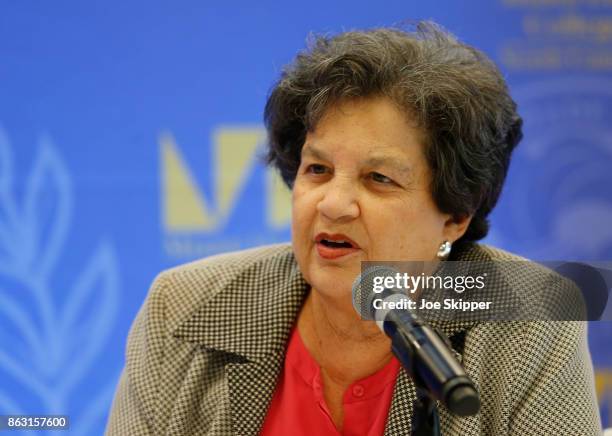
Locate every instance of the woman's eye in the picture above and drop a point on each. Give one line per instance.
(316, 169)
(380, 178)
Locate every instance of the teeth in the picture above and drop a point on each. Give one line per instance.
(336, 243)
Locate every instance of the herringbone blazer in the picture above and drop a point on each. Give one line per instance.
(207, 347)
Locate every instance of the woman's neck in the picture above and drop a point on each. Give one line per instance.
(346, 347)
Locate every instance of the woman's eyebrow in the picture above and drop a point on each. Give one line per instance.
(374, 161)
(387, 161)
(310, 150)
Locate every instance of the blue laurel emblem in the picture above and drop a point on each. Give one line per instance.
(55, 319)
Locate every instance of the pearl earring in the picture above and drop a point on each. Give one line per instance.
(444, 250)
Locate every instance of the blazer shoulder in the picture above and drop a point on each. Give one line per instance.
(187, 287)
(539, 290)
(482, 252)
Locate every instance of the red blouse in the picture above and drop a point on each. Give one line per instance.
(298, 406)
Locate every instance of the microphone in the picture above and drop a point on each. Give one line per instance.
(418, 347)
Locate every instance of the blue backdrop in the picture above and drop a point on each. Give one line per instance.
(130, 136)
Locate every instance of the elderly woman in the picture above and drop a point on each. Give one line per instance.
(395, 145)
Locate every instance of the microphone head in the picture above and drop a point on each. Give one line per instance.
(366, 289)
(464, 401)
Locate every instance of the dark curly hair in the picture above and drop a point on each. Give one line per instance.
(453, 91)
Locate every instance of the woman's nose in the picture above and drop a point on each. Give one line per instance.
(339, 201)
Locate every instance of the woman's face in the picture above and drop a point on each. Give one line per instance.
(364, 179)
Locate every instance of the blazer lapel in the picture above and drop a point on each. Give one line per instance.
(251, 387)
(402, 403)
(399, 419)
(251, 320)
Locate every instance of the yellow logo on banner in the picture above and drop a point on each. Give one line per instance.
(234, 154)
(603, 386)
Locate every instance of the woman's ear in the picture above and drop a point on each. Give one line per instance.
(456, 226)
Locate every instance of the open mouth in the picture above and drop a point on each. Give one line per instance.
(337, 240)
(336, 244)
